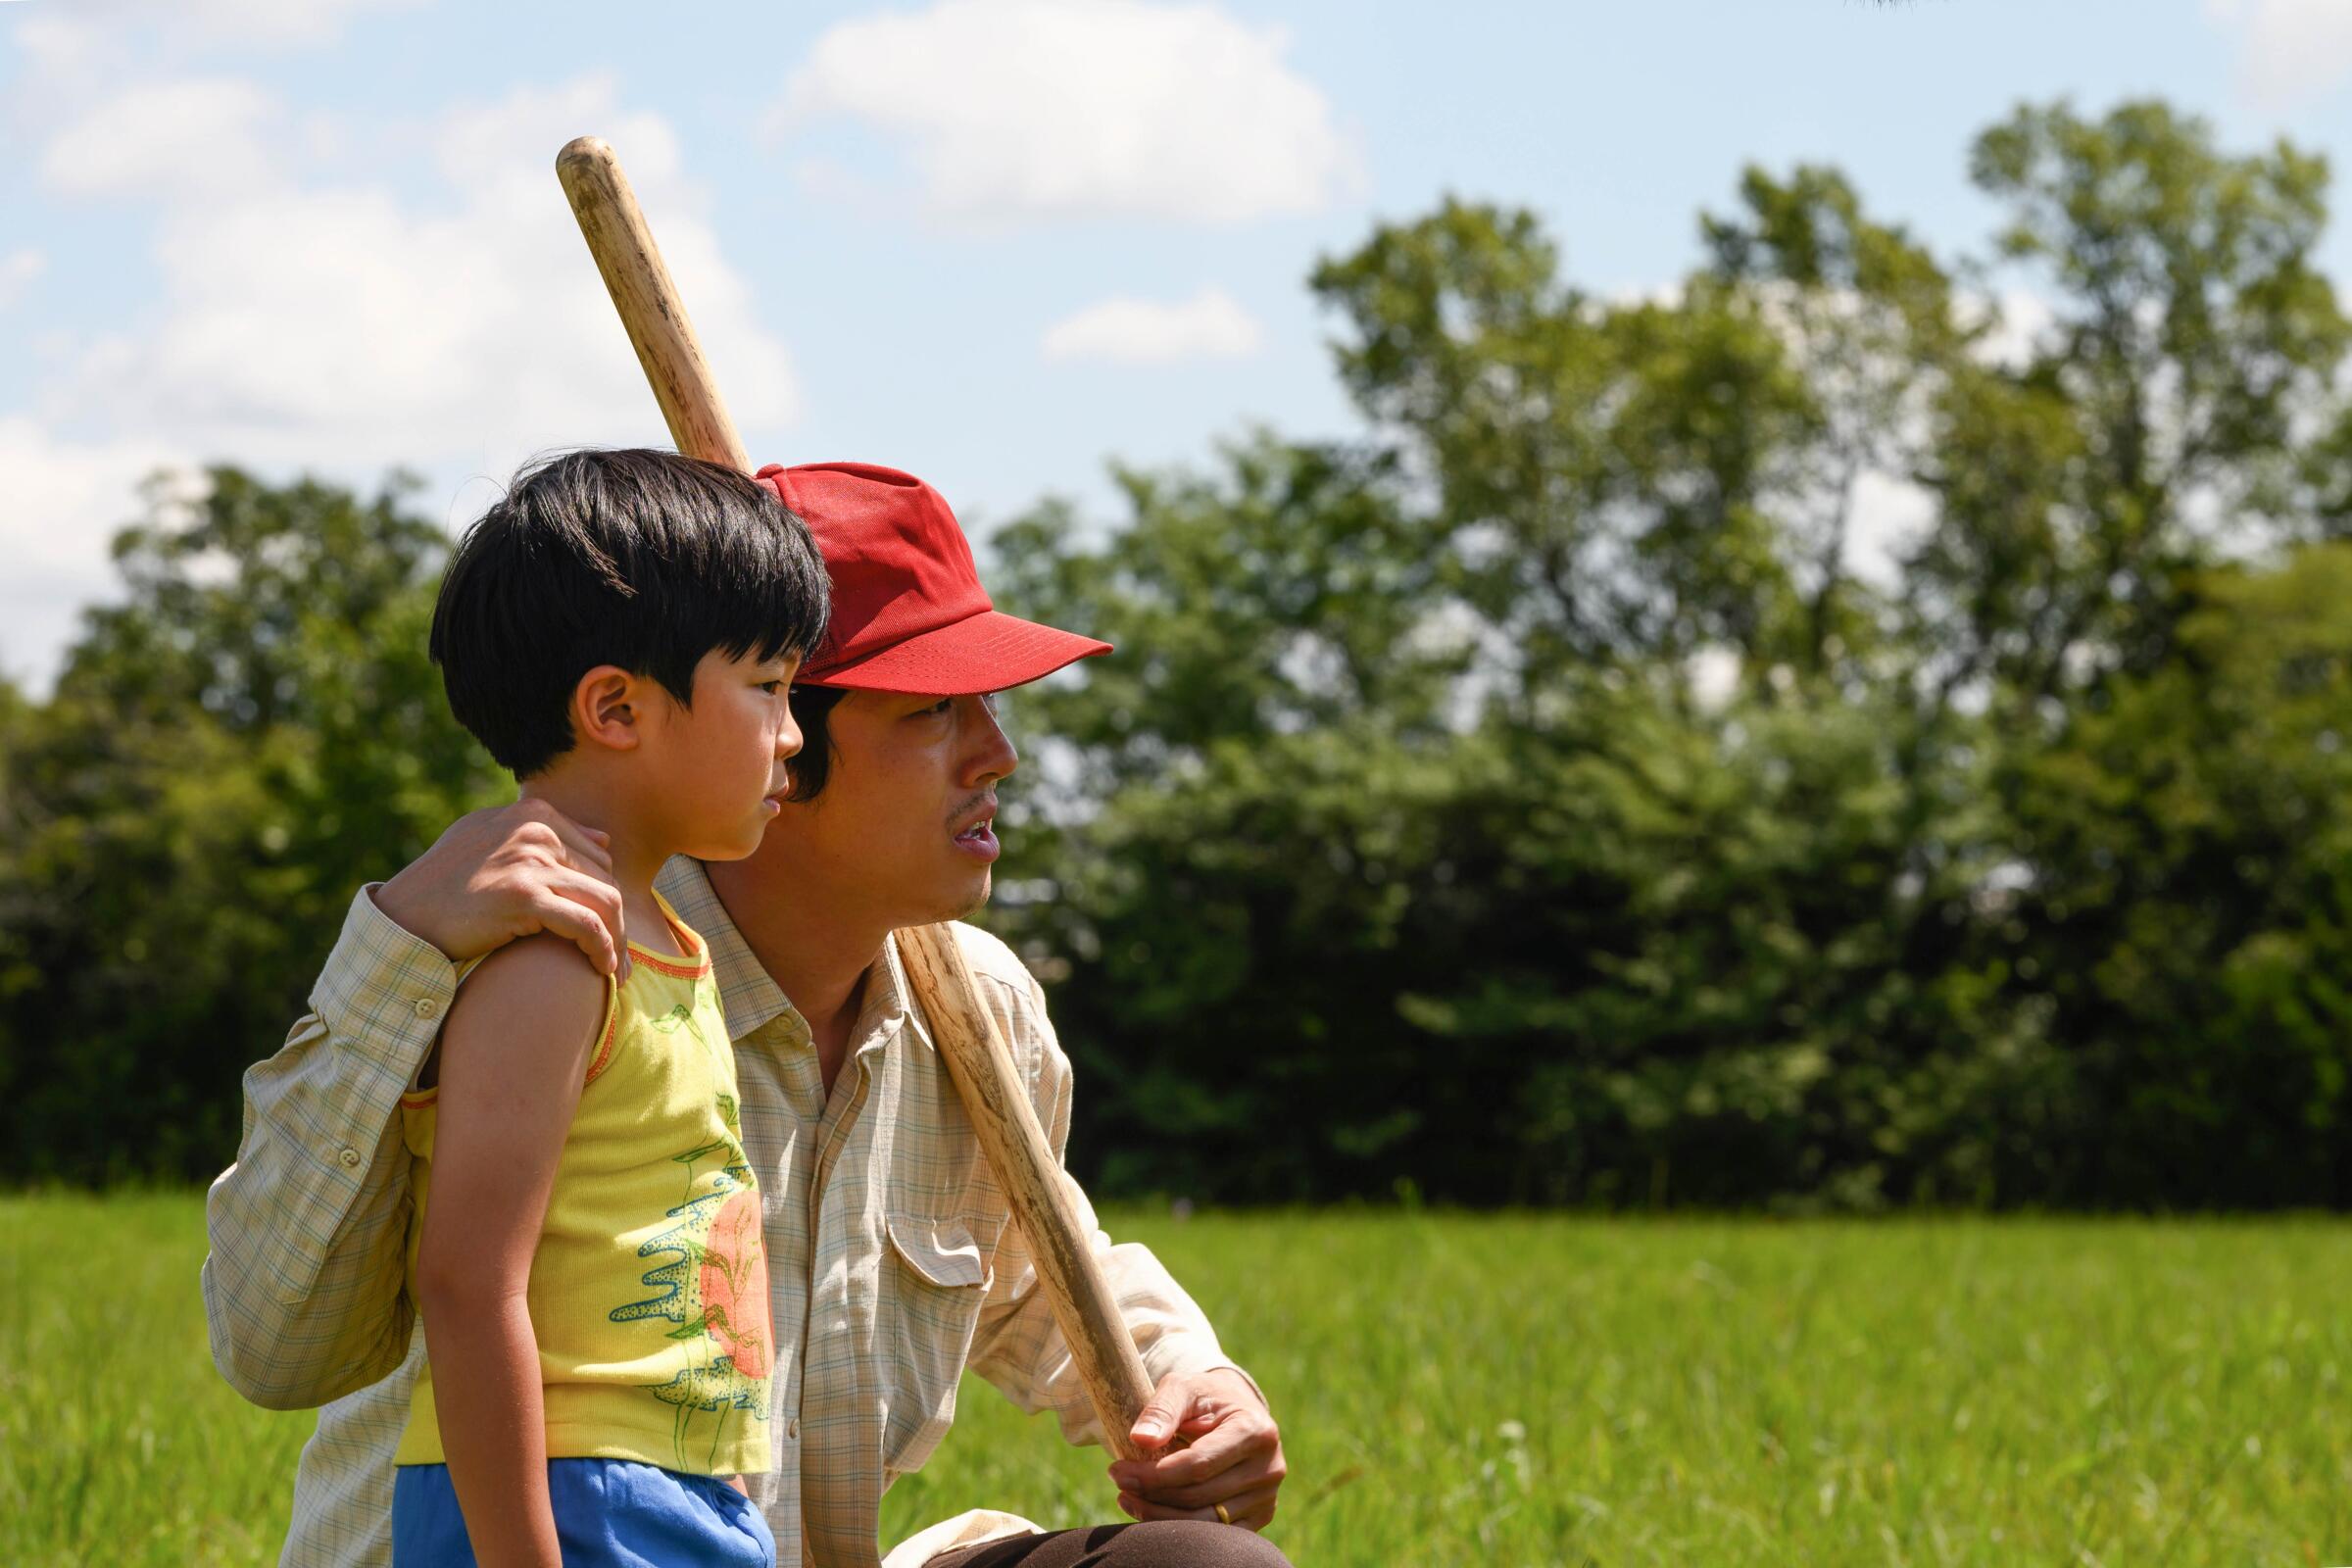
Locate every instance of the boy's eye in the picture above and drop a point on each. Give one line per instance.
(771, 687)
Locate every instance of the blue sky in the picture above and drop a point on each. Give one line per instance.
(998, 242)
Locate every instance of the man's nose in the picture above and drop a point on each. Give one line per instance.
(990, 755)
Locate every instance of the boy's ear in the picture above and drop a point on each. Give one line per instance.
(606, 708)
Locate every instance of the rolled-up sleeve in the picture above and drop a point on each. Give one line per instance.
(308, 1229)
(1018, 1347)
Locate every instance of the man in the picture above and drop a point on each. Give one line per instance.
(890, 1264)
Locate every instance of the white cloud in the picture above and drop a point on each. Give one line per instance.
(2016, 325)
(99, 27)
(281, 21)
(17, 270)
(2293, 50)
(164, 140)
(63, 504)
(1890, 517)
(344, 326)
(1019, 110)
(1122, 331)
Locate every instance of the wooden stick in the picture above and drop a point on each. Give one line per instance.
(648, 302)
(1043, 1201)
(1043, 1198)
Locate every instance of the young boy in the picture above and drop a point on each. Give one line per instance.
(620, 632)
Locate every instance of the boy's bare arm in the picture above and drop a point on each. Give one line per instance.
(514, 1053)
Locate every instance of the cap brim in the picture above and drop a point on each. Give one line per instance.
(990, 652)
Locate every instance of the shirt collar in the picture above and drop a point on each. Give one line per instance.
(890, 999)
(751, 999)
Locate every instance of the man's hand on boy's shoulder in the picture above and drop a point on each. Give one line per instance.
(510, 871)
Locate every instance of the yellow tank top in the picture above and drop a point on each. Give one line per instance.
(648, 1288)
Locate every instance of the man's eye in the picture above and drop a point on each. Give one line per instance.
(942, 706)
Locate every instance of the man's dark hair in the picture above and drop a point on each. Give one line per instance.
(812, 711)
(639, 558)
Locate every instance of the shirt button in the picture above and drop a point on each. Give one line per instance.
(427, 1008)
(350, 1157)
(792, 1429)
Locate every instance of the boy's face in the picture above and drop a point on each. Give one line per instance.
(720, 767)
(902, 830)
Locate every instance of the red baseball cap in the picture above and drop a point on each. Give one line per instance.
(909, 612)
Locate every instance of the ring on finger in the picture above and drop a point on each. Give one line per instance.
(1223, 1517)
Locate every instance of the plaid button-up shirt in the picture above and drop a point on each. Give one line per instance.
(890, 1261)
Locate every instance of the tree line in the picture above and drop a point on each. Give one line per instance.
(1568, 789)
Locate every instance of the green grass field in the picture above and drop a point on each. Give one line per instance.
(1459, 1390)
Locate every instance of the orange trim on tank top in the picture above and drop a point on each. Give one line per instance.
(662, 964)
(604, 1050)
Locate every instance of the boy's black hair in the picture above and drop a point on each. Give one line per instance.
(635, 557)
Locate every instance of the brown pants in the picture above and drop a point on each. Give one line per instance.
(1154, 1544)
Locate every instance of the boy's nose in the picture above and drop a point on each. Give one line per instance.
(787, 735)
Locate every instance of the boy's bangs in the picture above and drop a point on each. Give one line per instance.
(720, 565)
(781, 607)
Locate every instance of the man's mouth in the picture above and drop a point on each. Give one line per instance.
(978, 837)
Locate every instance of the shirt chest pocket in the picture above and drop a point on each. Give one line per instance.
(936, 1277)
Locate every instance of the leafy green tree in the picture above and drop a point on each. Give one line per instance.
(253, 732)
(2189, 911)
(1533, 799)
(1403, 842)
(2156, 423)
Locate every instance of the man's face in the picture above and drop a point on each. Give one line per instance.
(903, 828)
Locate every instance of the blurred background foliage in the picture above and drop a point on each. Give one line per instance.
(1525, 801)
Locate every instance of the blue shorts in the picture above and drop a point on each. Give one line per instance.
(610, 1513)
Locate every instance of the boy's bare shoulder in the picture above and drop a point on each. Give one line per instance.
(543, 958)
(542, 979)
